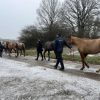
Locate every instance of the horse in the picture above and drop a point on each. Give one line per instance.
(12, 45)
(85, 47)
(48, 46)
(21, 46)
(89, 39)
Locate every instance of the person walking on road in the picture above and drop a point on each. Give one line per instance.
(1, 49)
(39, 50)
(58, 49)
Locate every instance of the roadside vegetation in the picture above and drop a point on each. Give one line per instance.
(92, 60)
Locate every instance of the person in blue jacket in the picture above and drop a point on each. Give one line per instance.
(39, 50)
(1, 49)
(58, 49)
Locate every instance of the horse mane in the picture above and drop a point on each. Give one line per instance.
(85, 38)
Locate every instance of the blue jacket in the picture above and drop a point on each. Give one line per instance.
(1, 47)
(39, 47)
(59, 43)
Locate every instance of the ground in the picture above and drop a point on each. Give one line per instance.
(23, 78)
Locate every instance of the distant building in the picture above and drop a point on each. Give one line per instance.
(10, 40)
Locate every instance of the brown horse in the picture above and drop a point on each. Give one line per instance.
(85, 47)
(89, 39)
(12, 45)
(21, 46)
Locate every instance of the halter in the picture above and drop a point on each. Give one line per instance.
(71, 57)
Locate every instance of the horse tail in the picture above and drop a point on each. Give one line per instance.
(17, 47)
(23, 47)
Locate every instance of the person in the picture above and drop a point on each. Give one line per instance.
(58, 49)
(42, 40)
(39, 50)
(1, 49)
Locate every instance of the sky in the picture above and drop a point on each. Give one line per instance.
(15, 15)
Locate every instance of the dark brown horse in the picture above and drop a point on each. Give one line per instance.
(21, 47)
(85, 47)
(48, 46)
(12, 45)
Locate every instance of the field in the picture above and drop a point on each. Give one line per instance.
(93, 59)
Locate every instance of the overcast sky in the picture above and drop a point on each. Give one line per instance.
(15, 15)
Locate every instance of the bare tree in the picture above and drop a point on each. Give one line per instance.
(48, 17)
(79, 15)
(29, 35)
(96, 29)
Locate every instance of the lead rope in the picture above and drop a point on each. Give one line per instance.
(71, 57)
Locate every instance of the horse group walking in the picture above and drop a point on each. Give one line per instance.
(85, 46)
(9, 46)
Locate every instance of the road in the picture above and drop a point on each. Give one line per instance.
(72, 68)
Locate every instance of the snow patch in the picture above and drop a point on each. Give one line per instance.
(21, 82)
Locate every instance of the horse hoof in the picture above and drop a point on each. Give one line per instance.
(87, 66)
(16, 56)
(97, 71)
(81, 69)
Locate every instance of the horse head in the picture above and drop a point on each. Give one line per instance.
(70, 41)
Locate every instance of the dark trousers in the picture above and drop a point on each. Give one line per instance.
(59, 59)
(0, 53)
(38, 54)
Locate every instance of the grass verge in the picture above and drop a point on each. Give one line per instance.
(92, 60)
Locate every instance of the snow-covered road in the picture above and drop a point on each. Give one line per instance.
(19, 81)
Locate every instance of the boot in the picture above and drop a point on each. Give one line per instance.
(55, 67)
(61, 69)
(42, 59)
(56, 64)
(36, 59)
(62, 65)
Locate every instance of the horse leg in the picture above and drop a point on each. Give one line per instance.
(24, 52)
(15, 53)
(83, 62)
(86, 63)
(98, 71)
(20, 52)
(44, 54)
(48, 55)
(10, 52)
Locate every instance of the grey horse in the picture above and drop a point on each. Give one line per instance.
(48, 46)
